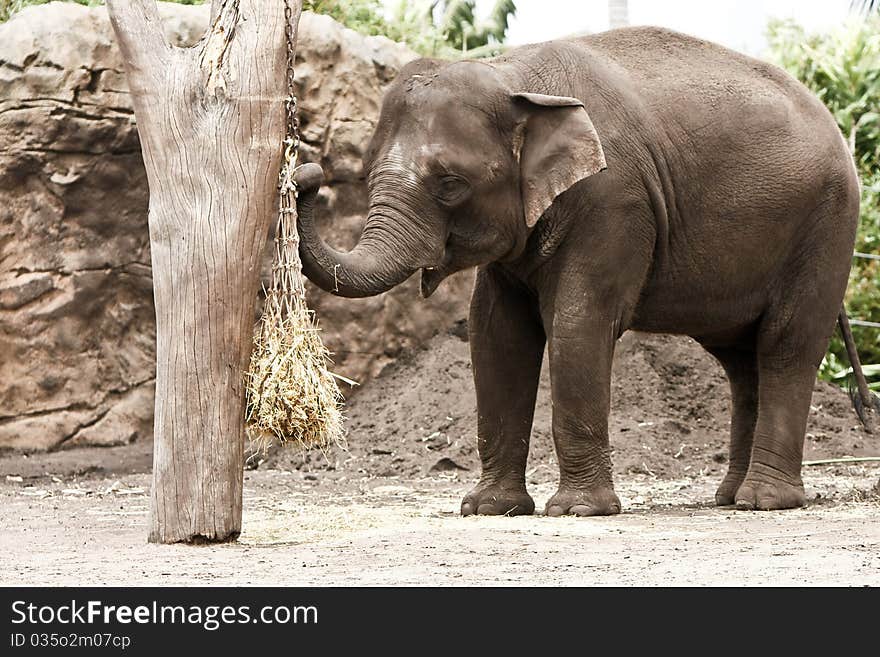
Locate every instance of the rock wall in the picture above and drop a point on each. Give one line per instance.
(77, 332)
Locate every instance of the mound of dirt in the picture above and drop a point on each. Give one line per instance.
(669, 417)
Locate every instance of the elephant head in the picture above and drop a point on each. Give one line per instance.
(460, 168)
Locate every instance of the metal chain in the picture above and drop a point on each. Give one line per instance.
(292, 138)
(287, 269)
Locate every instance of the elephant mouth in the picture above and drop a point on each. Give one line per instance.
(432, 277)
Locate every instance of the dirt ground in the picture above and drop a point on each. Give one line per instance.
(386, 510)
(388, 531)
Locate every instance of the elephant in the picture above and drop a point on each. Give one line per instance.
(635, 179)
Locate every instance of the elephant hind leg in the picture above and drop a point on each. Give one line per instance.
(741, 366)
(773, 480)
(793, 337)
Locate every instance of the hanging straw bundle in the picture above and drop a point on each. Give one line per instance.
(291, 395)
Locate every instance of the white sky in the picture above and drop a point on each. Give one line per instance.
(738, 24)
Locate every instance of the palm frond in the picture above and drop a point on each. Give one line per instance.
(865, 6)
(456, 14)
(499, 19)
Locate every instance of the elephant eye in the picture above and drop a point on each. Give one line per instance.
(452, 189)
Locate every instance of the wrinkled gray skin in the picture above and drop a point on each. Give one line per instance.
(727, 212)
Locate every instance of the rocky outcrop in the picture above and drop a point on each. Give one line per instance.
(76, 316)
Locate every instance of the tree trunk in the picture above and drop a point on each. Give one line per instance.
(211, 124)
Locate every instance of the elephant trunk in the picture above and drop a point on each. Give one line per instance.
(384, 256)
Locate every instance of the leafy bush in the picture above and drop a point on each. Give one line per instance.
(365, 16)
(843, 70)
(434, 28)
(9, 7)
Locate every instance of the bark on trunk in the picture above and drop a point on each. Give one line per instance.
(211, 121)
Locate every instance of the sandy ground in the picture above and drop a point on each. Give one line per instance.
(301, 530)
(385, 511)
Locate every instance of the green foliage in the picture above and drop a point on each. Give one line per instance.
(365, 16)
(463, 31)
(9, 7)
(410, 21)
(843, 70)
(434, 28)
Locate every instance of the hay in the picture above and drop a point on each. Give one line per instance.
(292, 398)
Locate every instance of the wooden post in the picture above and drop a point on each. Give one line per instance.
(211, 124)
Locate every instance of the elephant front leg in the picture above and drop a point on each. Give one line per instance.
(507, 345)
(580, 368)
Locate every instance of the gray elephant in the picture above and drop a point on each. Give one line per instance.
(634, 179)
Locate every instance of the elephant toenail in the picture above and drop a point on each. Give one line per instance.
(555, 511)
(582, 510)
(487, 510)
(467, 509)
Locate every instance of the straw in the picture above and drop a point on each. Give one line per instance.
(292, 397)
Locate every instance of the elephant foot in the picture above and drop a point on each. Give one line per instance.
(598, 501)
(726, 493)
(496, 500)
(767, 495)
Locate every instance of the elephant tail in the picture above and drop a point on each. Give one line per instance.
(865, 402)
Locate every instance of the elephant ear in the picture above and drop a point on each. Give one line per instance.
(558, 146)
